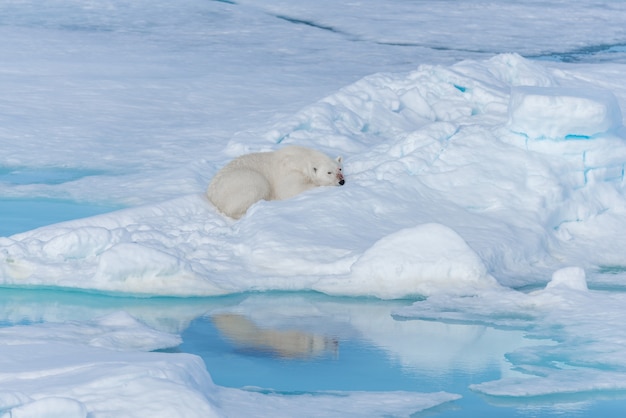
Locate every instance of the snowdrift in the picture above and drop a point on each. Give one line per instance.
(458, 179)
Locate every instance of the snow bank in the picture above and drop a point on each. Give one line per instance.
(441, 195)
(562, 113)
(98, 367)
(427, 259)
(50, 407)
(571, 277)
(87, 381)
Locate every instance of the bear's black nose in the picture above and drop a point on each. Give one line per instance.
(341, 182)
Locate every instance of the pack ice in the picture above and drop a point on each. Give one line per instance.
(459, 179)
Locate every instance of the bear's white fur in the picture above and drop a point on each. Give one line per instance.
(273, 175)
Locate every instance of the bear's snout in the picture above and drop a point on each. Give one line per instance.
(341, 182)
(340, 178)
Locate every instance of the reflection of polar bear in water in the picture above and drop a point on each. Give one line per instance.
(274, 175)
(285, 343)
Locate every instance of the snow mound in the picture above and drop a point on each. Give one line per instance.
(51, 407)
(423, 260)
(431, 147)
(78, 380)
(570, 277)
(562, 113)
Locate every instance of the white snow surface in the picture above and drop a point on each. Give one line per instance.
(447, 187)
(470, 171)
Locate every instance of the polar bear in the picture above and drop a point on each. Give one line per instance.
(275, 175)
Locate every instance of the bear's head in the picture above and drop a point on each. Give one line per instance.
(328, 172)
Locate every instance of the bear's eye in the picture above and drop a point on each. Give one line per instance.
(330, 172)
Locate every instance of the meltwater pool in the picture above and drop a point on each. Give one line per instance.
(20, 215)
(292, 343)
(25, 213)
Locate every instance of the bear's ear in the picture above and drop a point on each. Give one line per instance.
(339, 159)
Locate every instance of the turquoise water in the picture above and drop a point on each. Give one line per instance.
(43, 175)
(361, 361)
(22, 214)
(256, 340)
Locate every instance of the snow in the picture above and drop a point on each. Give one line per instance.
(425, 259)
(94, 381)
(572, 277)
(471, 172)
(558, 113)
(449, 194)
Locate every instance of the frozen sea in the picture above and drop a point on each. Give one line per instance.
(472, 264)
